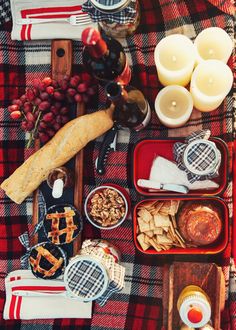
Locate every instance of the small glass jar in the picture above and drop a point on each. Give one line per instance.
(194, 306)
(197, 150)
(89, 273)
(105, 246)
(115, 29)
(63, 173)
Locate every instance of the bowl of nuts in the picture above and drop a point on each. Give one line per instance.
(106, 207)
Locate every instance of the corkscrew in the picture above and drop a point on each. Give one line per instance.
(109, 144)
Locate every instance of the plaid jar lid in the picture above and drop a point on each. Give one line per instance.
(201, 157)
(110, 5)
(198, 157)
(86, 278)
(113, 11)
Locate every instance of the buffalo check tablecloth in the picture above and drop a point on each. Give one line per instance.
(139, 305)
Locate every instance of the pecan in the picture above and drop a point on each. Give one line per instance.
(107, 207)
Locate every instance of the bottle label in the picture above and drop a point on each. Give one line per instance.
(145, 121)
(125, 77)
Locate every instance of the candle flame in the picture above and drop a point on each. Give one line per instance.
(174, 59)
(210, 80)
(173, 106)
(211, 52)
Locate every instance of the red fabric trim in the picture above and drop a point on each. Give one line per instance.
(18, 306)
(12, 307)
(29, 32)
(38, 288)
(49, 10)
(27, 13)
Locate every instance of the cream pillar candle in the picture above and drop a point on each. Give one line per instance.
(213, 43)
(174, 106)
(175, 57)
(211, 82)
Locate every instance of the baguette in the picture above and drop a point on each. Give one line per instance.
(69, 140)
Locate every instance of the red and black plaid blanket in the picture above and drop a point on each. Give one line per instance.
(139, 305)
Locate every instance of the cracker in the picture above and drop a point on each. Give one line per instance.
(149, 233)
(145, 215)
(174, 205)
(152, 224)
(173, 220)
(158, 205)
(148, 204)
(161, 220)
(158, 231)
(157, 226)
(163, 239)
(142, 242)
(143, 226)
(165, 207)
(154, 244)
(166, 228)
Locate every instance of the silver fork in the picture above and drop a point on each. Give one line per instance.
(73, 20)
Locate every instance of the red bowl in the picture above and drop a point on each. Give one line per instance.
(147, 150)
(218, 246)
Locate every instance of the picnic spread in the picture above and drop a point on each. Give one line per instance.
(116, 164)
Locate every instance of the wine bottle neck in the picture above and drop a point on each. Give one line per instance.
(116, 93)
(99, 49)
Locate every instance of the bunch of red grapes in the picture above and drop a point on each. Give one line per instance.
(45, 107)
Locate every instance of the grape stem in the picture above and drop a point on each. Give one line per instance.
(32, 134)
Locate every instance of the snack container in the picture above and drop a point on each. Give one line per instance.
(216, 247)
(146, 150)
(122, 193)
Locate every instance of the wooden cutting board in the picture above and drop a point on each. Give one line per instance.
(61, 63)
(181, 274)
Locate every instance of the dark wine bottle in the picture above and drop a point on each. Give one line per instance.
(104, 58)
(131, 108)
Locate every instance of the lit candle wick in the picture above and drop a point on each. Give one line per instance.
(174, 59)
(211, 52)
(173, 106)
(210, 81)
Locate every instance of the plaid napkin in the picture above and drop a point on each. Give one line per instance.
(127, 15)
(200, 156)
(46, 9)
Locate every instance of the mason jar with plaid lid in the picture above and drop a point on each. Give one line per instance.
(95, 273)
(117, 18)
(198, 157)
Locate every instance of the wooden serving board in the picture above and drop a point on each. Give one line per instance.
(181, 274)
(61, 63)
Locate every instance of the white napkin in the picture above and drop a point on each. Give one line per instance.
(46, 307)
(46, 9)
(165, 171)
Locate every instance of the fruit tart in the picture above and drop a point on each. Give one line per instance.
(47, 261)
(62, 224)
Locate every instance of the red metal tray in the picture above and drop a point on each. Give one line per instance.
(147, 150)
(211, 249)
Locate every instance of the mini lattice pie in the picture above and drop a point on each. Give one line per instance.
(62, 224)
(46, 260)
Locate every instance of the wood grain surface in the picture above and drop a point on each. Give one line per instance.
(61, 65)
(177, 276)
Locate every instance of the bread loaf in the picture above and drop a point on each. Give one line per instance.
(62, 147)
